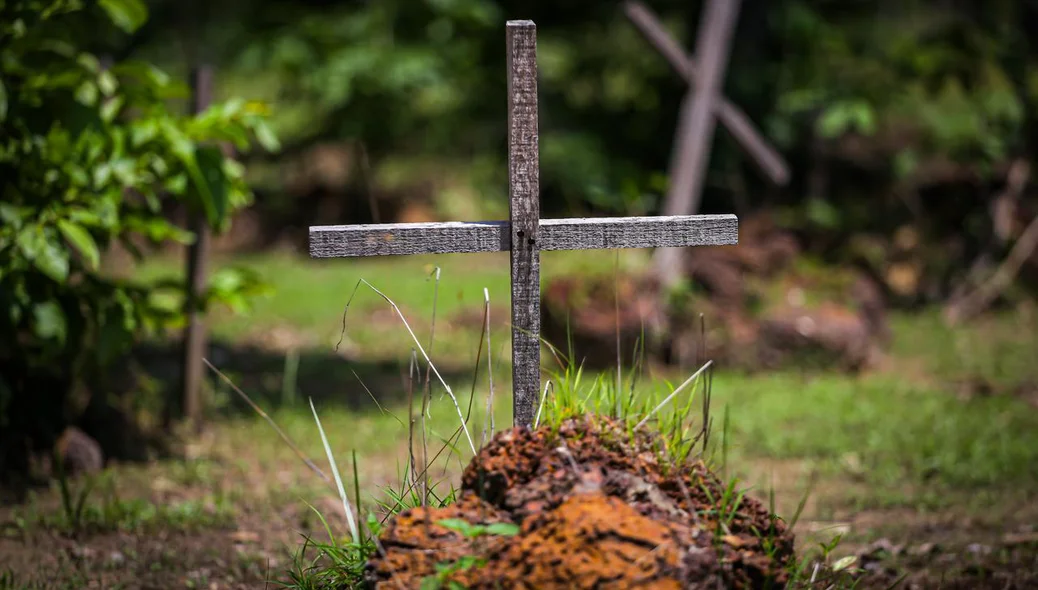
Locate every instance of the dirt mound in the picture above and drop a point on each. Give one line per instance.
(585, 315)
(763, 308)
(593, 507)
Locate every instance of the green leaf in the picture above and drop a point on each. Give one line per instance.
(90, 62)
(158, 229)
(504, 529)
(821, 212)
(46, 256)
(455, 524)
(833, 122)
(143, 131)
(128, 15)
(212, 183)
(147, 73)
(265, 136)
(49, 321)
(116, 333)
(87, 93)
(11, 215)
(3, 102)
(82, 241)
(844, 563)
(111, 108)
(53, 261)
(107, 83)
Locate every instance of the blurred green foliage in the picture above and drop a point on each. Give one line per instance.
(917, 81)
(88, 155)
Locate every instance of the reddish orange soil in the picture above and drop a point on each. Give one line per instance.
(595, 508)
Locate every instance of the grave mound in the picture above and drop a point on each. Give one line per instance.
(592, 506)
(763, 308)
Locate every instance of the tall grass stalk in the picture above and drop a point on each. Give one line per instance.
(338, 480)
(676, 391)
(490, 369)
(419, 347)
(284, 437)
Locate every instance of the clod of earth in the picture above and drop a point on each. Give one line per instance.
(595, 507)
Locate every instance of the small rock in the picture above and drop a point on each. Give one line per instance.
(923, 550)
(79, 452)
(978, 549)
(116, 558)
(81, 552)
(882, 546)
(245, 537)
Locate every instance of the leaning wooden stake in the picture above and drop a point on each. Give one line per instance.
(696, 125)
(524, 215)
(766, 157)
(197, 270)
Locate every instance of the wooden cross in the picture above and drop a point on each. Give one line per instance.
(524, 235)
(702, 103)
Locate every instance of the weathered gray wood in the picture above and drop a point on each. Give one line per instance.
(731, 116)
(639, 232)
(524, 213)
(697, 122)
(399, 239)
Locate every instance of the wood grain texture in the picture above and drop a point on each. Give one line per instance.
(524, 214)
(731, 116)
(399, 239)
(639, 232)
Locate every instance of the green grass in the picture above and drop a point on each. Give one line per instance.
(310, 295)
(889, 434)
(903, 429)
(105, 510)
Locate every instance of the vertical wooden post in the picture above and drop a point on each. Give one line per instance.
(524, 214)
(696, 123)
(195, 340)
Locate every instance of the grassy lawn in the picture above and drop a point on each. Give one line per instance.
(939, 445)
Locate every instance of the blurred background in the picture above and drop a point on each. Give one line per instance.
(874, 332)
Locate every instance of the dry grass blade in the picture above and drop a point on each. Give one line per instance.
(420, 348)
(374, 399)
(262, 414)
(616, 317)
(676, 391)
(475, 370)
(540, 407)
(490, 368)
(432, 327)
(338, 479)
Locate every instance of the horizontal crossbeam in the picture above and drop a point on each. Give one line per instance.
(396, 239)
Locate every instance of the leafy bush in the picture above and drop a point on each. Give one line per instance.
(87, 156)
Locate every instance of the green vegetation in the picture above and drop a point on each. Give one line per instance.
(89, 156)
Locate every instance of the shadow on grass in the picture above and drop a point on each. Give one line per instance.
(274, 379)
(128, 421)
